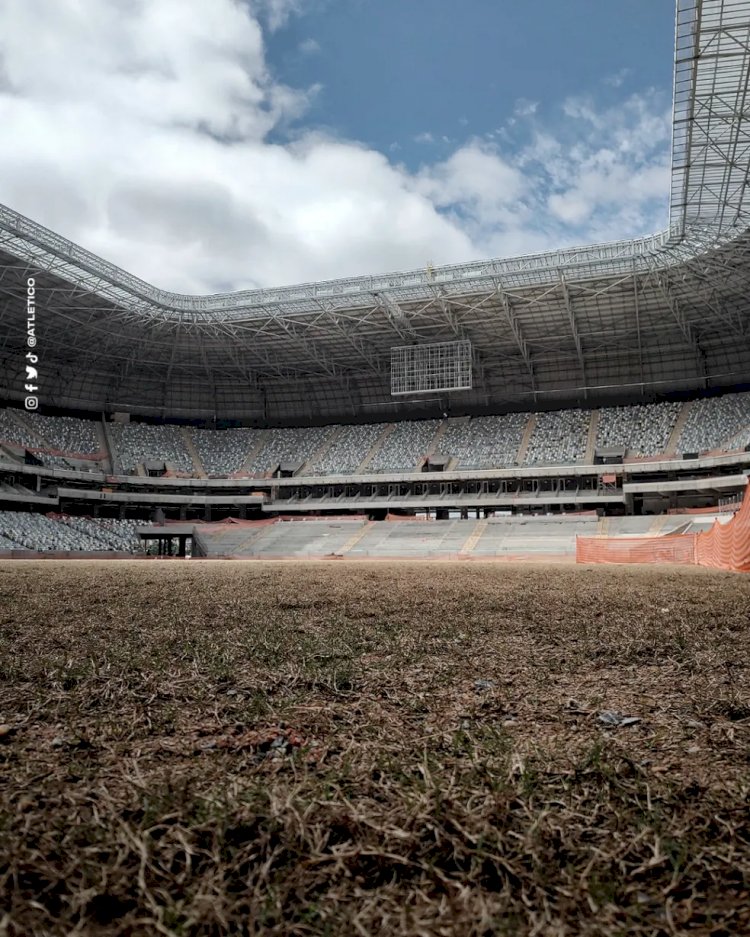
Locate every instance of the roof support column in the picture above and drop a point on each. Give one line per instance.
(523, 347)
(574, 330)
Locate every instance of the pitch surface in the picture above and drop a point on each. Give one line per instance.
(334, 748)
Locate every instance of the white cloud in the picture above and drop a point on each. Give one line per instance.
(425, 137)
(277, 12)
(615, 177)
(309, 46)
(140, 128)
(476, 182)
(618, 79)
(525, 108)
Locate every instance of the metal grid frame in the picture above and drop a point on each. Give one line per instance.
(635, 317)
(437, 367)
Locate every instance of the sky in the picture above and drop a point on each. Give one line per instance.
(211, 145)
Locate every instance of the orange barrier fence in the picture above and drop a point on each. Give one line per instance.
(673, 548)
(721, 509)
(727, 546)
(724, 546)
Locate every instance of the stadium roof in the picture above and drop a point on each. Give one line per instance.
(630, 318)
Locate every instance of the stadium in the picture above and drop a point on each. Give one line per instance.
(303, 746)
(631, 354)
(311, 400)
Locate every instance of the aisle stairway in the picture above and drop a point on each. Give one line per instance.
(434, 446)
(321, 451)
(679, 426)
(375, 448)
(114, 455)
(526, 439)
(17, 417)
(259, 446)
(187, 439)
(588, 458)
(473, 539)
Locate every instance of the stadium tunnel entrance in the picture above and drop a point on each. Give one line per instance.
(171, 540)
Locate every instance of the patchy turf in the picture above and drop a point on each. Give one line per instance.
(216, 748)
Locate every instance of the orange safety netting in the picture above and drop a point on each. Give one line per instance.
(727, 546)
(724, 546)
(673, 548)
(721, 509)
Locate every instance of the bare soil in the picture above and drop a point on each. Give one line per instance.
(211, 748)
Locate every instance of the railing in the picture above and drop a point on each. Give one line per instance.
(28, 239)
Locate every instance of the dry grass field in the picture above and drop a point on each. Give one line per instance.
(210, 748)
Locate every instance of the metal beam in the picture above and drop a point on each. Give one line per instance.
(573, 329)
(515, 328)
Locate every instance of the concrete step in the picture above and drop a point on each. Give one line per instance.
(321, 451)
(193, 452)
(588, 457)
(434, 446)
(523, 448)
(657, 524)
(355, 538)
(17, 417)
(735, 441)
(114, 455)
(8, 455)
(473, 539)
(374, 448)
(679, 426)
(104, 445)
(263, 438)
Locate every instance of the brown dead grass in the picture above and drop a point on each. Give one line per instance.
(214, 748)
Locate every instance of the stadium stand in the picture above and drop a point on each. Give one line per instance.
(70, 438)
(14, 433)
(485, 441)
(37, 532)
(741, 440)
(413, 539)
(553, 535)
(293, 444)
(224, 451)
(559, 436)
(725, 545)
(65, 433)
(404, 446)
(24, 530)
(7, 544)
(141, 442)
(593, 323)
(111, 533)
(348, 450)
(713, 422)
(642, 429)
(54, 461)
